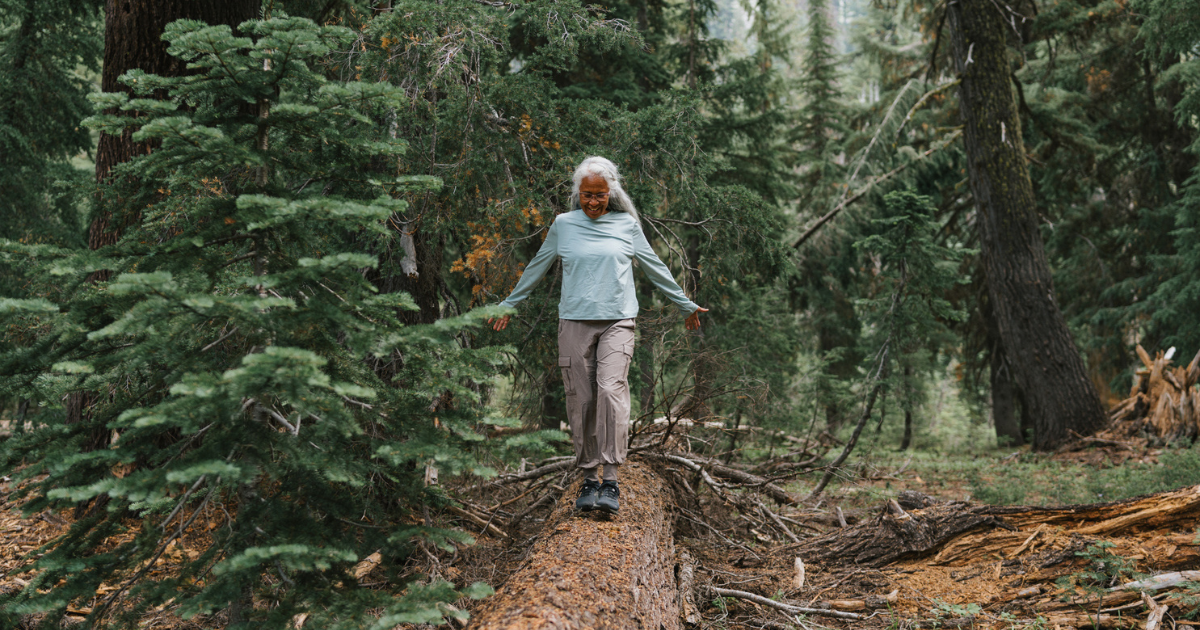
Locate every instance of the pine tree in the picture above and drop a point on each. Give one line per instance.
(823, 285)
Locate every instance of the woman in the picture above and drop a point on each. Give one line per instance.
(598, 243)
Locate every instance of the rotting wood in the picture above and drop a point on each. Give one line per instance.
(889, 537)
(1158, 582)
(1162, 404)
(586, 571)
(686, 581)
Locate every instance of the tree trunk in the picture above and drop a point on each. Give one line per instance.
(586, 571)
(1041, 353)
(1008, 429)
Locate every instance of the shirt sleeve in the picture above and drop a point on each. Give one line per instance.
(658, 273)
(536, 268)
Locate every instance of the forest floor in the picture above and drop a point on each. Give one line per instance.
(977, 564)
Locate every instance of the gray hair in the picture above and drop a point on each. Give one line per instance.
(618, 199)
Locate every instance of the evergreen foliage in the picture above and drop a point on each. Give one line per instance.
(47, 50)
(1176, 300)
(908, 317)
(232, 352)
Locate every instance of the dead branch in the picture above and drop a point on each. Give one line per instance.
(774, 517)
(742, 478)
(1166, 580)
(535, 473)
(787, 608)
(880, 375)
(486, 524)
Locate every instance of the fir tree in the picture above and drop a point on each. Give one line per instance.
(908, 311)
(909, 315)
(232, 350)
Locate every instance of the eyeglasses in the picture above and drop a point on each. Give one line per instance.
(590, 196)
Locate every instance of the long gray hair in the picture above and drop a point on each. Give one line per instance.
(618, 199)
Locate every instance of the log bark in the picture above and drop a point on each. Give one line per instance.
(595, 572)
(1045, 362)
(890, 536)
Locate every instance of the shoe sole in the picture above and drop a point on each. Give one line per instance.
(606, 510)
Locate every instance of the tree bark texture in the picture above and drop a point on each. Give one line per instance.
(1004, 416)
(133, 40)
(592, 572)
(1004, 404)
(1044, 360)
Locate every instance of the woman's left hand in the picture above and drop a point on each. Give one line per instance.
(693, 321)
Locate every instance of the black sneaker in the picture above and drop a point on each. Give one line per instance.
(587, 495)
(609, 499)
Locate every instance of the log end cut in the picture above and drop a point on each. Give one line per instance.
(592, 571)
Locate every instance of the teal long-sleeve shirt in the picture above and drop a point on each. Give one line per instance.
(597, 256)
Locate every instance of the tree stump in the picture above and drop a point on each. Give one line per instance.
(591, 571)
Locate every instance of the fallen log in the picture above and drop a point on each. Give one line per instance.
(590, 571)
(890, 536)
(960, 533)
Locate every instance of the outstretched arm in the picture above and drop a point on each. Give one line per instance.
(534, 272)
(661, 277)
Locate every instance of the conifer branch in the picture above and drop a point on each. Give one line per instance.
(870, 185)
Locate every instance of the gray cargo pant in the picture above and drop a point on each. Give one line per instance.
(594, 357)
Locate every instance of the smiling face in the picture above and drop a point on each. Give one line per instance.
(593, 196)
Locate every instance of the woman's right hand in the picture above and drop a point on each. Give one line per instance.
(500, 322)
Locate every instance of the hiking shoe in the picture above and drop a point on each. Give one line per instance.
(587, 495)
(610, 498)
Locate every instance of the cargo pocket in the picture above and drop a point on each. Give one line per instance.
(565, 364)
(627, 350)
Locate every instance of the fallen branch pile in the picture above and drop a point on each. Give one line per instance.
(1163, 403)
